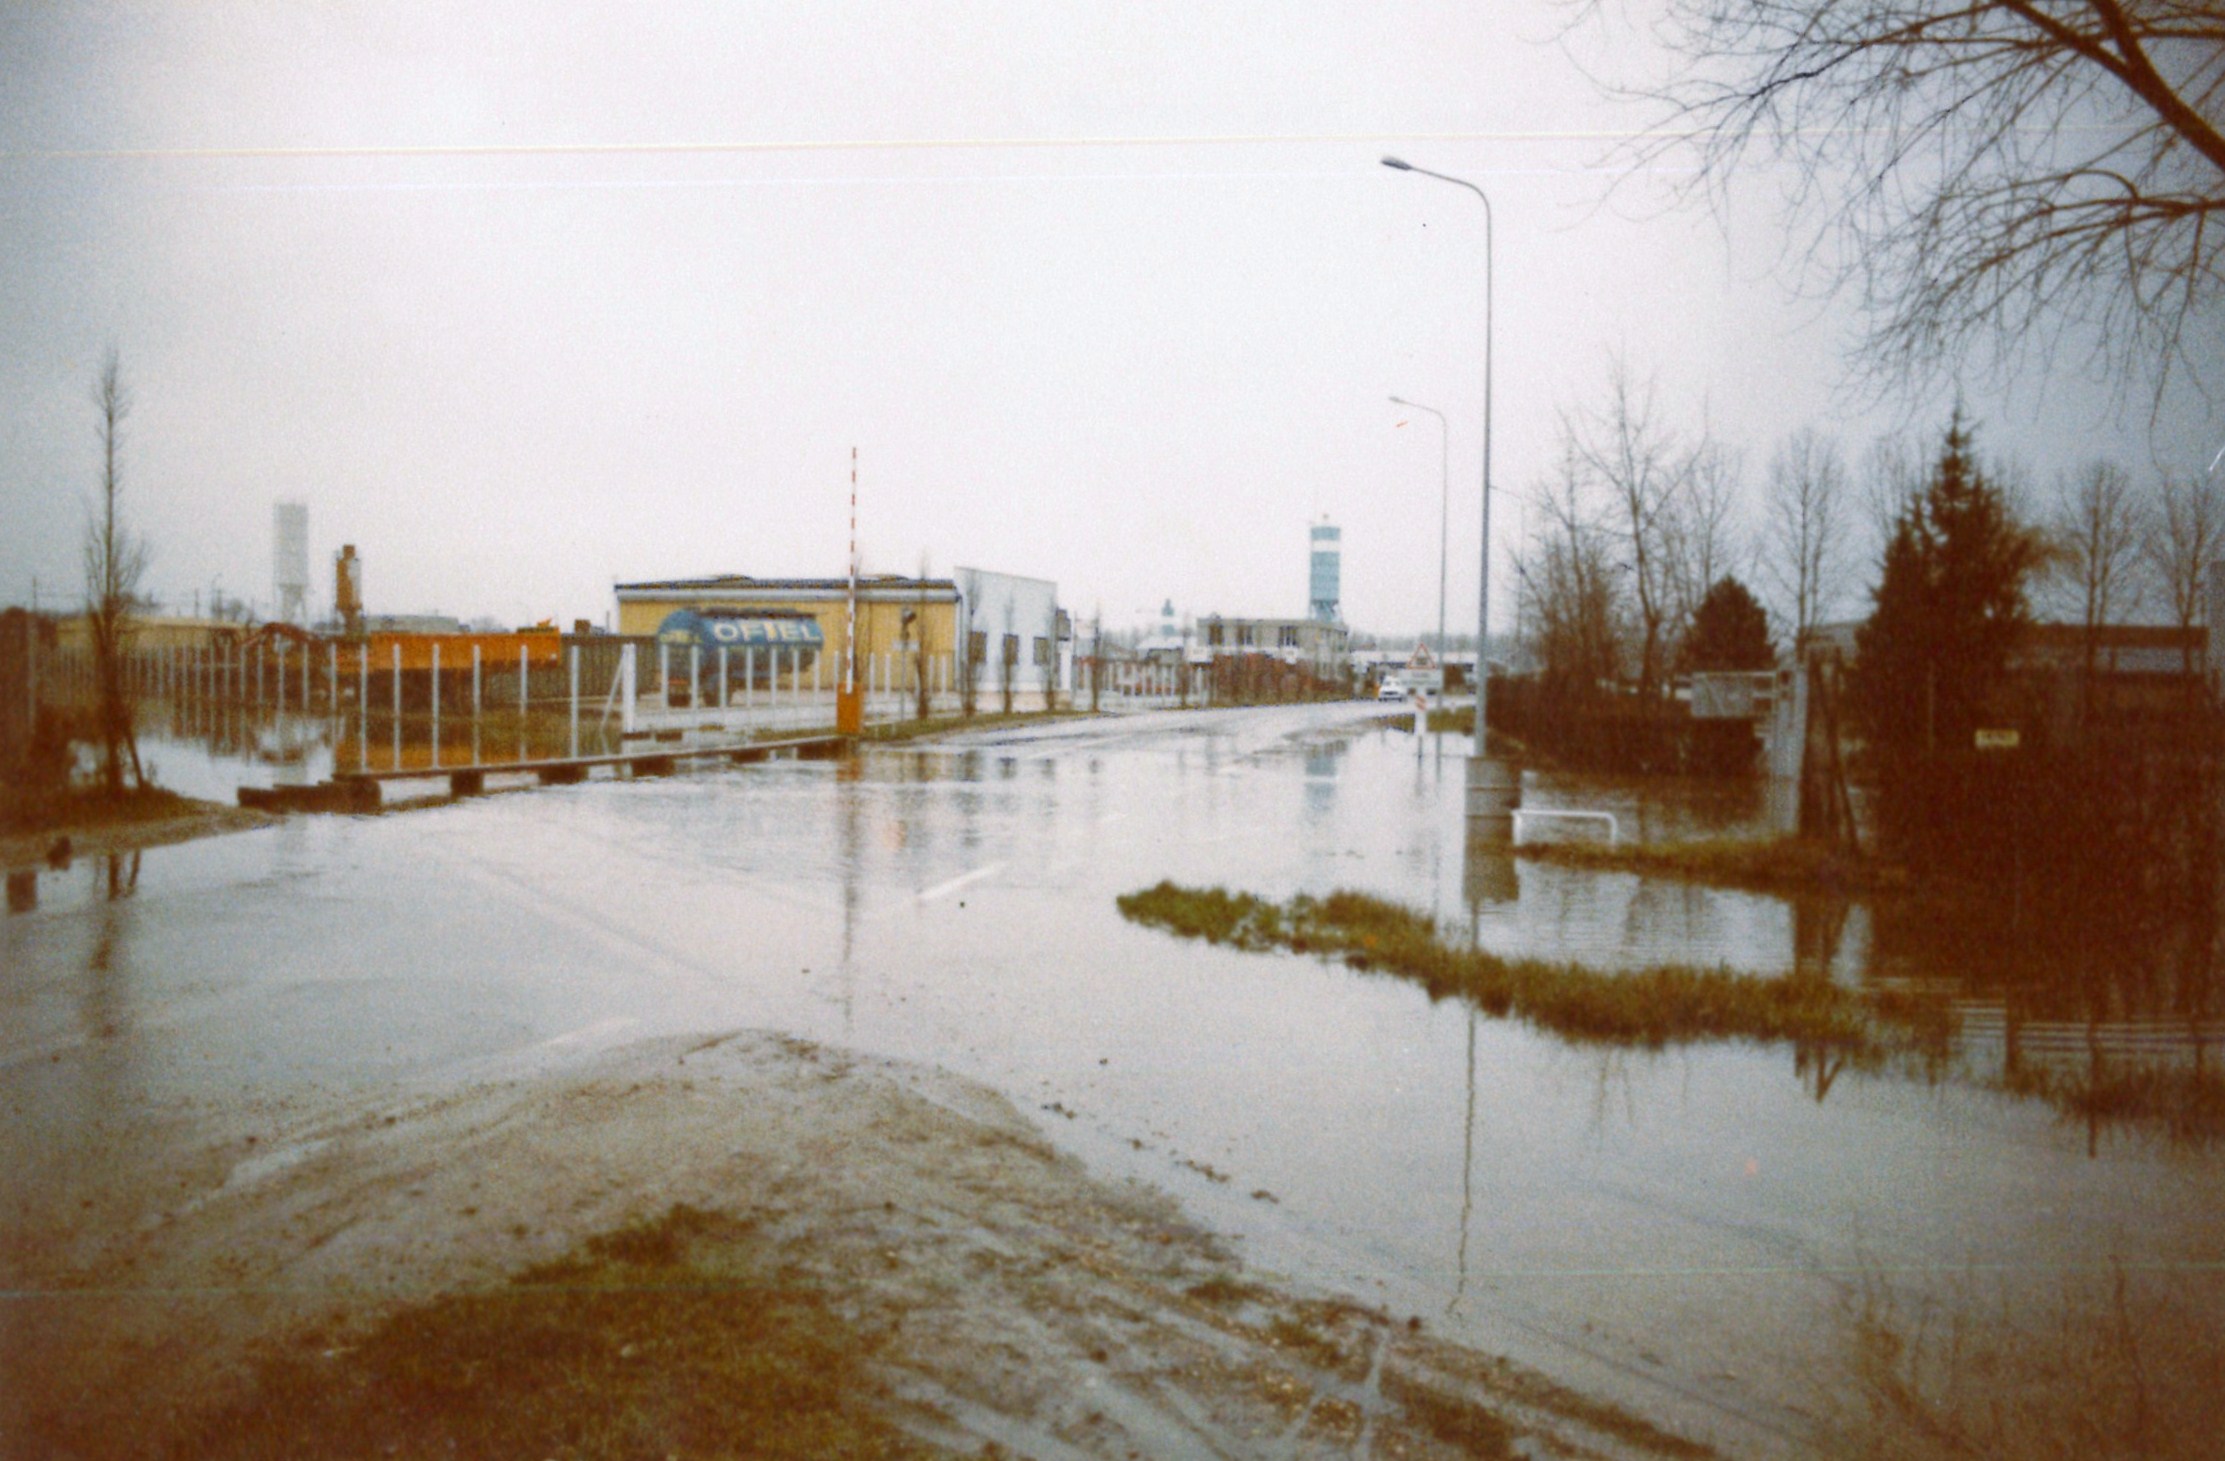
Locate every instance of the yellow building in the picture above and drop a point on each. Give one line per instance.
(797, 629)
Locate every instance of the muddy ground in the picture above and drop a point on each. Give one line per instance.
(998, 1298)
(192, 819)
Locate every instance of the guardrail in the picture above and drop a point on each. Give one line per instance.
(1614, 828)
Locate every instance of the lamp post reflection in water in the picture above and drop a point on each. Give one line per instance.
(1488, 879)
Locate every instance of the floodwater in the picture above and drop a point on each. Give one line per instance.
(1683, 1231)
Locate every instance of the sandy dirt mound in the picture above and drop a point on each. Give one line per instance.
(1014, 1304)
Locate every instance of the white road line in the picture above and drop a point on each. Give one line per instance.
(944, 890)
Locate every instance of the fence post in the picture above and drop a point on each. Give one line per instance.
(725, 678)
(478, 704)
(627, 686)
(436, 703)
(695, 677)
(573, 656)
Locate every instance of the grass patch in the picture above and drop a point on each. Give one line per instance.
(887, 732)
(1649, 1007)
(670, 1337)
(85, 808)
(1779, 865)
(1668, 1004)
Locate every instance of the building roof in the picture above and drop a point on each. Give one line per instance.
(738, 585)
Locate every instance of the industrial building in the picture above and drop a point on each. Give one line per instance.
(976, 636)
(1322, 649)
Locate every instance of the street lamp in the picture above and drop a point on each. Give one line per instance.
(1491, 794)
(1444, 516)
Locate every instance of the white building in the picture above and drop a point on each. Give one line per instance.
(1017, 638)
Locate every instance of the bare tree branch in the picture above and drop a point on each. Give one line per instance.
(1804, 529)
(1638, 465)
(2095, 557)
(2185, 534)
(115, 562)
(1985, 179)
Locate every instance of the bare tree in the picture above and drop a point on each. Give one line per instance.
(1638, 466)
(1096, 659)
(2185, 533)
(1571, 610)
(1047, 661)
(915, 628)
(2095, 555)
(1701, 535)
(1008, 658)
(115, 561)
(1804, 529)
(1893, 478)
(1979, 175)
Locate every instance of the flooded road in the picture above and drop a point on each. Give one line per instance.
(1686, 1232)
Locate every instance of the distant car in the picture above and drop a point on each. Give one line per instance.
(1391, 690)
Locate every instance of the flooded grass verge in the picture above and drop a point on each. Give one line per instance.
(92, 824)
(1671, 1004)
(1651, 1007)
(1785, 865)
(894, 732)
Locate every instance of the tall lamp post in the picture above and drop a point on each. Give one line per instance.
(1493, 791)
(1444, 516)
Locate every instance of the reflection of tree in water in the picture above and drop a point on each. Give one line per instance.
(2084, 889)
(1818, 933)
(2081, 936)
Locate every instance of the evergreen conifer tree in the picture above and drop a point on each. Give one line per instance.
(1729, 631)
(1950, 606)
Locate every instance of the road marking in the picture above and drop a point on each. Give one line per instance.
(944, 890)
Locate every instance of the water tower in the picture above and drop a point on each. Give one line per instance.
(290, 561)
(1328, 559)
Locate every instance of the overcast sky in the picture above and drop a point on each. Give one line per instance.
(526, 300)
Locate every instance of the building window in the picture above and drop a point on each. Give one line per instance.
(1289, 638)
(977, 646)
(1213, 633)
(1042, 649)
(1244, 636)
(1011, 649)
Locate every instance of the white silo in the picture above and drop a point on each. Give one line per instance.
(290, 561)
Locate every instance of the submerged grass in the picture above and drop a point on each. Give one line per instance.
(1669, 1004)
(666, 1338)
(1776, 865)
(1650, 1007)
(84, 808)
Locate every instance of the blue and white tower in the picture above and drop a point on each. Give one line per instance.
(1328, 558)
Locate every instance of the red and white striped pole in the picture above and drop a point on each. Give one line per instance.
(849, 708)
